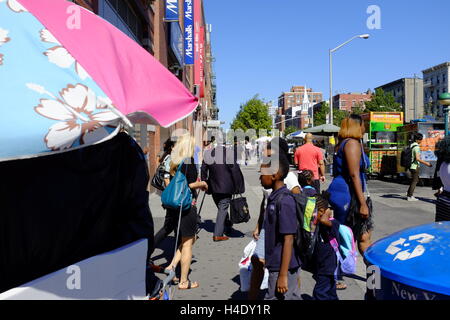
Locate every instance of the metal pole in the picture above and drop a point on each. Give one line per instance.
(446, 120)
(331, 89)
(415, 96)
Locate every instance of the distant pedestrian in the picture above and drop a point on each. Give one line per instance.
(324, 256)
(280, 225)
(225, 179)
(443, 169)
(415, 165)
(275, 148)
(170, 222)
(248, 150)
(309, 157)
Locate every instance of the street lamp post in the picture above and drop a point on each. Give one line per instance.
(444, 100)
(361, 36)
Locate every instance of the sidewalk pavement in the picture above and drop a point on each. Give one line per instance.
(215, 264)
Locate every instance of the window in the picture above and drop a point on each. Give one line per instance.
(128, 16)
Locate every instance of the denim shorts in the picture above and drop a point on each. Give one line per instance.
(259, 250)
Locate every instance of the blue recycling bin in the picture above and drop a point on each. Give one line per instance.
(414, 264)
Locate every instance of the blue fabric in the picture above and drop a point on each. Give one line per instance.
(325, 260)
(43, 90)
(276, 225)
(427, 269)
(340, 195)
(325, 288)
(259, 250)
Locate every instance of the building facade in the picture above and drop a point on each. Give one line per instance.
(143, 21)
(409, 93)
(350, 101)
(435, 82)
(296, 107)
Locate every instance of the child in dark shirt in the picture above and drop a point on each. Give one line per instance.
(306, 181)
(280, 225)
(324, 255)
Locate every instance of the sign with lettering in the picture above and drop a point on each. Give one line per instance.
(171, 10)
(189, 32)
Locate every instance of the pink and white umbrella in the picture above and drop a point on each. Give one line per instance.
(64, 86)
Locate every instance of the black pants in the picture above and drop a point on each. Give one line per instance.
(414, 181)
(325, 288)
(170, 225)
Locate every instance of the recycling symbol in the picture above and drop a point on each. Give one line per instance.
(397, 247)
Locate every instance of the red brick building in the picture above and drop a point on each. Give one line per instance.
(143, 21)
(348, 101)
(297, 104)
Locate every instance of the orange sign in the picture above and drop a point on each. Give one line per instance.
(387, 117)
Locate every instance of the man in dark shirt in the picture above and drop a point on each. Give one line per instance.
(280, 225)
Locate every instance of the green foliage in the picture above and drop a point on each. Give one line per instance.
(254, 114)
(289, 130)
(359, 108)
(383, 102)
(320, 115)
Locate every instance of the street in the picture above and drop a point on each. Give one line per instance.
(215, 264)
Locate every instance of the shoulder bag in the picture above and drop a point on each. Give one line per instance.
(177, 195)
(239, 211)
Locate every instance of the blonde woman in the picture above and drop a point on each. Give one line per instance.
(183, 152)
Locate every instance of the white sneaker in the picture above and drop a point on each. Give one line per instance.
(412, 199)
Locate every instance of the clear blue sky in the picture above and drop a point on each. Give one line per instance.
(264, 46)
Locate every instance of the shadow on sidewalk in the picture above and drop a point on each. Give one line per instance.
(397, 196)
(208, 226)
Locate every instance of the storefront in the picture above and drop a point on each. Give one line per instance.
(432, 133)
(382, 143)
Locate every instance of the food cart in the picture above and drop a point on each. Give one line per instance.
(432, 133)
(382, 144)
(411, 264)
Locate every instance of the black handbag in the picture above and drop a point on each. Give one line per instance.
(158, 178)
(239, 211)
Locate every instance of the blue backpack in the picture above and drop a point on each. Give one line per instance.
(345, 249)
(177, 195)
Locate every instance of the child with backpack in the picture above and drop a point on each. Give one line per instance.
(306, 181)
(280, 225)
(324, 256)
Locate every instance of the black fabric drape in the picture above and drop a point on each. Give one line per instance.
(57, 210)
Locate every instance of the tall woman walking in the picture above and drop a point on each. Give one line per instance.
(348, 185)
(183, 153)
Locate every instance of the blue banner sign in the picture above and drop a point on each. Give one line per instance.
(188, 31)
(176, 41)
(171, 10)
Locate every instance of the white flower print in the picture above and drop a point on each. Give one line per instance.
(1, 59)
(76, 112)
(4, 36)
(15, 6)
(60, 56)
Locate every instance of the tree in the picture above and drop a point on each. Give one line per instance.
(382, 101)
(254, 114)
(321, 114)
(359, 108)
(289, 130)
